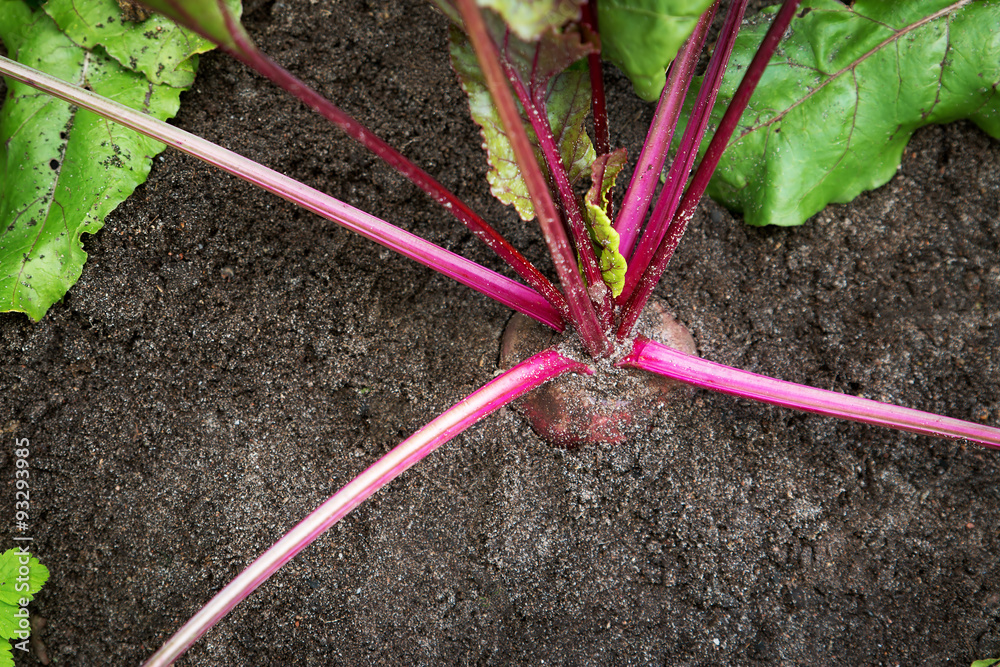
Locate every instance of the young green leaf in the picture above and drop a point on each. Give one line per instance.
(840, 100)
(17, 585)
(159, 48)
(986, 663)
(641, 37)
(613, 266)
(65, 169)
(558, 81)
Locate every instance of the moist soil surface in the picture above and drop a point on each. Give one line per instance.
(227, 361)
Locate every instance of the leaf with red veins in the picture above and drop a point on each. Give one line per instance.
(840, 99)
(556, 77)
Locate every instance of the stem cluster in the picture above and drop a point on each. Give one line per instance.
(593, 314)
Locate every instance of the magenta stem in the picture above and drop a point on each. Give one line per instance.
(498, 392)
(525, 269)
(538, 117)
(651, 276)
(496, 286)
(602, 132)
(581, 309)
(666, 361)
(687, 153)
(661, 132)
(242, 48)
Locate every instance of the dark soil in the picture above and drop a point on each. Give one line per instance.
(227, 361)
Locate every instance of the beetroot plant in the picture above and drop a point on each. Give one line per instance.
(532, 78)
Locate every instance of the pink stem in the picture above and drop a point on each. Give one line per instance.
(651, 276)
(537, 116)
(581, 309)
(666, 361)
(253, 58)
(661, 132)
(242, 48)
(498, 392)
(687, 152)
(602, 133)
(496, 286)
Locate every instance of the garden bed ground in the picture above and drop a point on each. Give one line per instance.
(228, 361)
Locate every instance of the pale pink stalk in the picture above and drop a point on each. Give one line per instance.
(666, 361)
(500, 391)
(661, 132)
(496, 286)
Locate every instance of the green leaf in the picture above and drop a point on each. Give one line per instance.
(6, 655)
(527, 19)
(17, 586)
(641, 37)
(613, 266)
(567, 109)
(504, 177)
(63, 169)
(846, 90)
(218, 21)
(557, 80)
(13, 13)
(158, 47)
(986, 663)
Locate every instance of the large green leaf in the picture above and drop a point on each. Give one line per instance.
(160, 49)
(64, 169)
(840, 100)
(641, 37)
(557, 85)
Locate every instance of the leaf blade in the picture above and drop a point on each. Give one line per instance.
(163, 51)
(641, 37)
(64, 169)
(548, 69)
(838, 105)
(217, 20)
(15, 586)
(529, 20)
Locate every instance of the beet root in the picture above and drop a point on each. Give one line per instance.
(606, 407)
